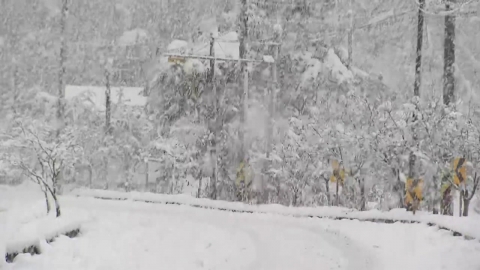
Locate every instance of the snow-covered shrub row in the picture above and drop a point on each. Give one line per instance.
(27, 237)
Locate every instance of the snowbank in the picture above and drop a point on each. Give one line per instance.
(467, 226)
(42, 229)
(207, 203)
(24, 223)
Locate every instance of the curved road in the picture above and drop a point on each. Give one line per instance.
(125, 235)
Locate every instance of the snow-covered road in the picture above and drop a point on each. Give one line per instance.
(131, 235)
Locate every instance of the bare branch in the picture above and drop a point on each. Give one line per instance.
(395, 122)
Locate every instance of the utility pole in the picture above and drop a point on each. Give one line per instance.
(212, 61)
(61, 85)
(272, 91)
(244, 71)
(62, 69)
(216, 124)
(350, 35)
(214, 151)
(449, 56)
(108, 108)
(412, 174)
(418, 62)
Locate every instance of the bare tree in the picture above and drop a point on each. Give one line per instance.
(52, 158)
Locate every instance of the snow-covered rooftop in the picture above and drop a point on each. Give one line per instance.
(95, 95)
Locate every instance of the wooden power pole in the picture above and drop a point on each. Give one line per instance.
(244, 71)
(216, 125)
(61, 85)
(62, 69)
(350, 35)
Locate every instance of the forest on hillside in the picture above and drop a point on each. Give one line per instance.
(365, 102)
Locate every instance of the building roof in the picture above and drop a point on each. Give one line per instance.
(95, 95)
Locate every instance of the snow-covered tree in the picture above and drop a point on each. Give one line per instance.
(37, 152)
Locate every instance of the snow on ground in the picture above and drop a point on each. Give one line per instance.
(134, 235)
(409, 246)
(21, 204)
(24, 220)
(465, 225)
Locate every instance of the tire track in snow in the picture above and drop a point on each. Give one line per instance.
(355, 257)
(358, 257)
(278, 242)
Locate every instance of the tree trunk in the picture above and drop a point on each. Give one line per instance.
(337, 198)
(57, 206)
(128, 175)
(327, 188)
(90, 175)
(54, 196)
(449, 58)
(446, 204)
(45, 193)
(15, 89)
(411, 175)
(106, 165)
(295, 196)
(466, 205)
(243, 93)
(435, 198)
(146, 175)
(418, 62)
(108, 109)
(108, 128)
(460, 202)
(199, 191)
(363, 201)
